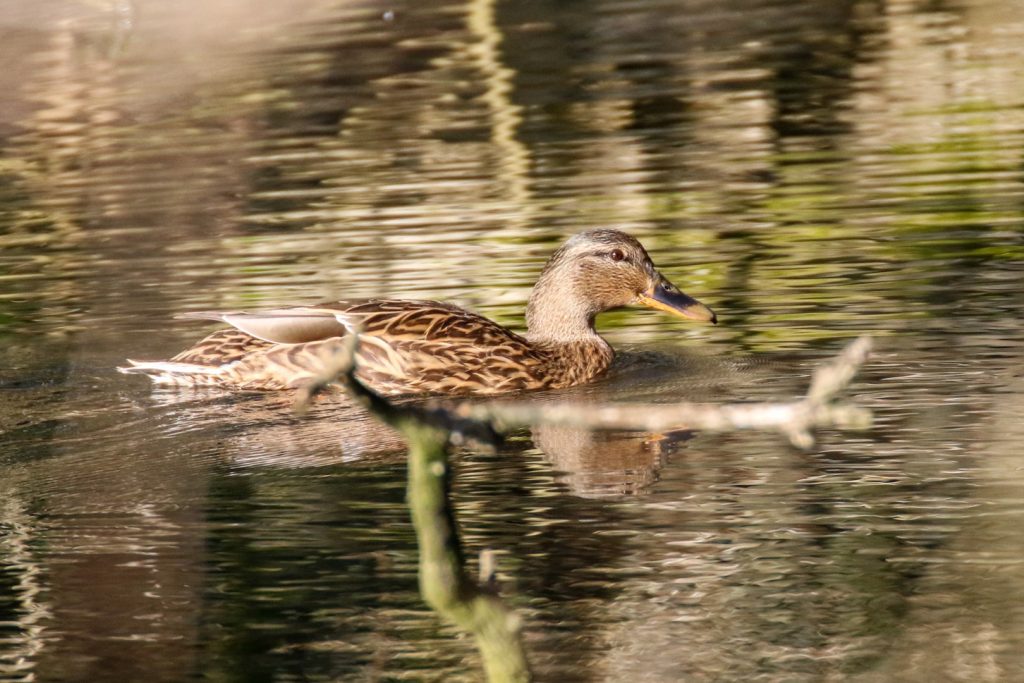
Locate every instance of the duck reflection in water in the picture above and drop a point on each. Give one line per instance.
(593, 463)
(265, 433)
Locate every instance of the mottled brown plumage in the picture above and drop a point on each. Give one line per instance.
(419, 347)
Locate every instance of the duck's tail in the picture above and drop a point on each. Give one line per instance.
(176, 374)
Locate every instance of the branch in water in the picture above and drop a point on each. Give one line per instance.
(444, 582)
(481, 422)
(795, 419)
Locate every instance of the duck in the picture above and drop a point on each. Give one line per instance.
(410, 347)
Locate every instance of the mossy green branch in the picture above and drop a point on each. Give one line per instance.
(444, 582)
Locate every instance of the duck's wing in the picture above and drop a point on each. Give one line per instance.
(407, 347)
(392, 319)
(426, 321)
(280, 326)
(223, 346)
(432, 347)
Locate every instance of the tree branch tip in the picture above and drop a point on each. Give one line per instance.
(854, 354)
(800, 438)
(488, 568)
(342, 364)
(835, 375)
(303, 400)
(850, 416)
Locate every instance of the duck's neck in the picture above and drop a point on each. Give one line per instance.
(560, 324)
(556, 316)
(565, 334)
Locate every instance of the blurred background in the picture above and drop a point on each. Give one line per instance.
(812, 169)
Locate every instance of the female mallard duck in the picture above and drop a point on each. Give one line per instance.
(420, 347)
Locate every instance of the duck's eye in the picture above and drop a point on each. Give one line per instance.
(616, 255)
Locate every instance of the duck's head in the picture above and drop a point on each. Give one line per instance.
(597, 271)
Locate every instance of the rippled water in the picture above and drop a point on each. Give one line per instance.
(812, 170)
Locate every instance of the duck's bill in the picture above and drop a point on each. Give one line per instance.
(665, 296)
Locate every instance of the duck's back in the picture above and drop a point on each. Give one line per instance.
(406, 347)
(434, 347)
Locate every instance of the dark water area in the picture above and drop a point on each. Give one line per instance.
(813, 170)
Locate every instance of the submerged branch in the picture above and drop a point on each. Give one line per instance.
(795, 419)
(444, 582)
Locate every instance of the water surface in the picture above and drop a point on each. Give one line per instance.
(812, 170)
